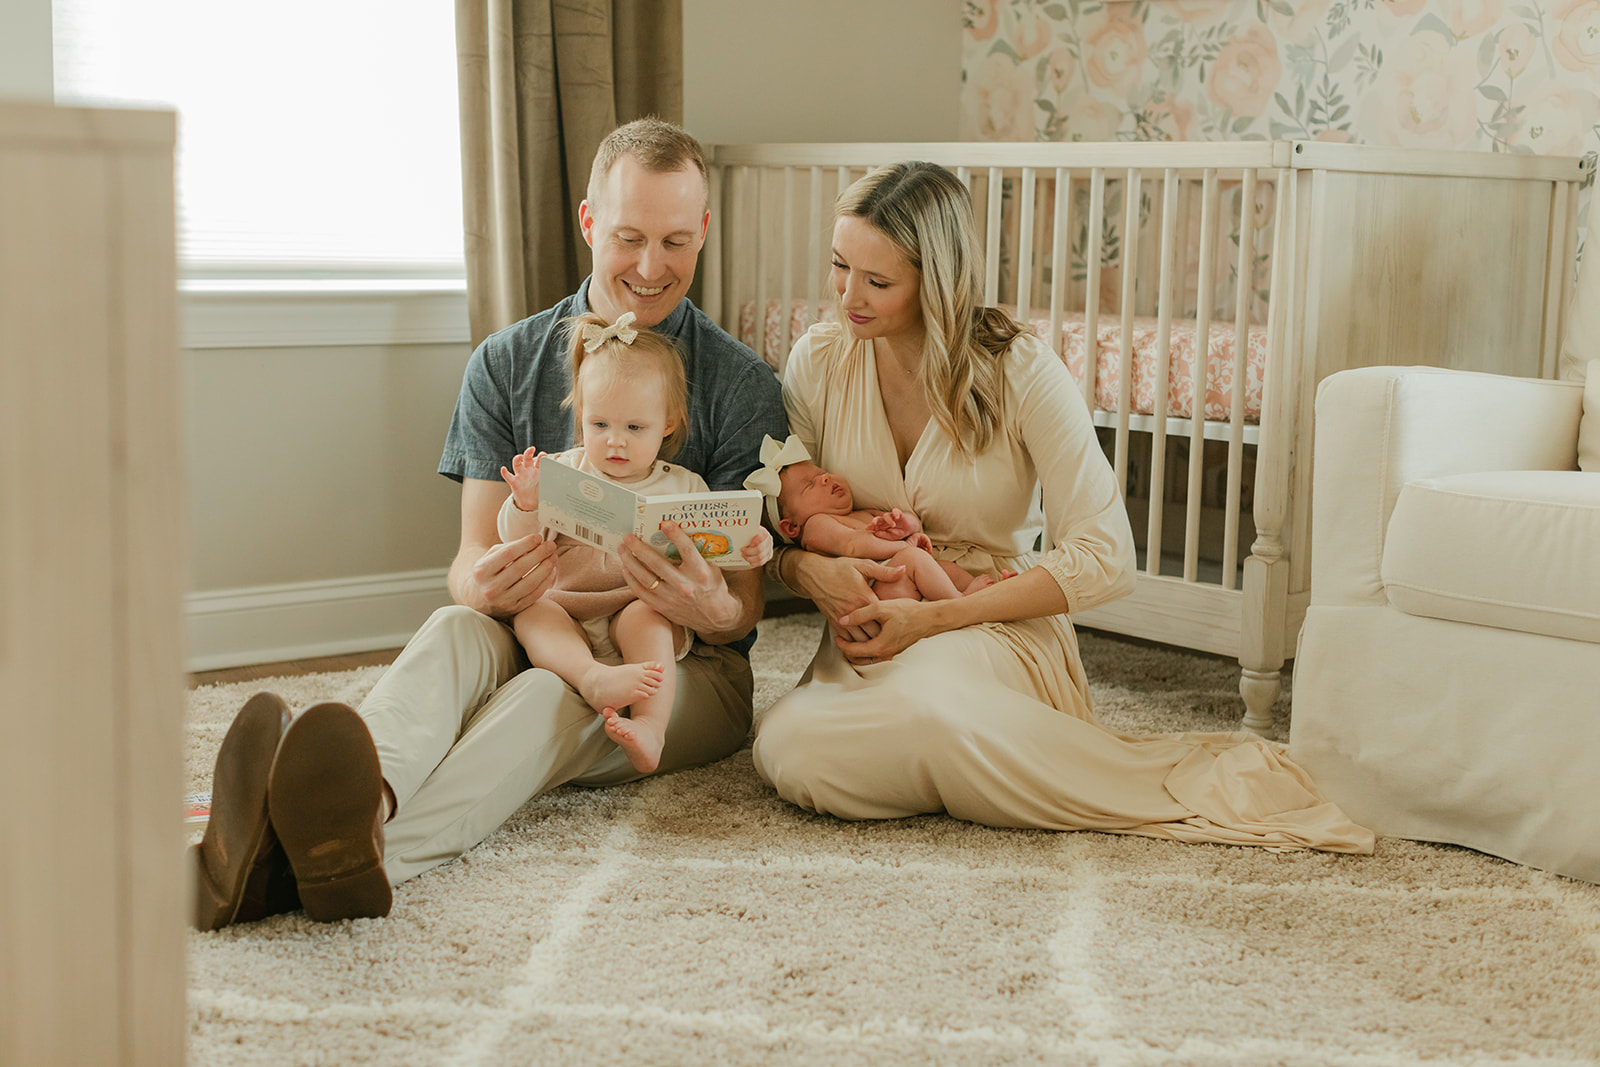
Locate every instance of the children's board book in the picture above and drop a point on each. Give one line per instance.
(196, 810)
(601, 513)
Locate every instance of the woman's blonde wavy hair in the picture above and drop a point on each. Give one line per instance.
(926, 213)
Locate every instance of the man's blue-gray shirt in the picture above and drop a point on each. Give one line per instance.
(512, 392)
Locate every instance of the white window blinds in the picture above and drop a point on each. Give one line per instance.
(315, 136)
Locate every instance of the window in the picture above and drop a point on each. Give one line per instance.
(317, 138)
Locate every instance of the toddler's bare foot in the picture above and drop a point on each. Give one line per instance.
(618, 685)
(982, 581)
(641, 741)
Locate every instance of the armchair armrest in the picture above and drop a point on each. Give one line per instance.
(1378, 428)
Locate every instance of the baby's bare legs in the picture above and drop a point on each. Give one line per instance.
(643, 636)
(965, 581)
(924, 578)
(556, 643)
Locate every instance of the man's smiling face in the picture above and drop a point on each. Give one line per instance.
(646, 229)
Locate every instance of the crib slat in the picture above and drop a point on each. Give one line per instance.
(1557, 288)
(1158, 439)
(786, 304)
(1091, 291)
(1202, 365)
(815, 269)
(1025, 245)
(759, 341)
(712, 293)
(1243, 288)
(1130, 268)
(1272, 455)
(1061, 236)
(995, 197)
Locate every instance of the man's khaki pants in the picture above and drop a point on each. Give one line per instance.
(467, 733)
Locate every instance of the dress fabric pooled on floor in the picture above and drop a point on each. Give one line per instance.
(992, 723)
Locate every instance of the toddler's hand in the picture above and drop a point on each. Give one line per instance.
(523, 478)
(759, 550)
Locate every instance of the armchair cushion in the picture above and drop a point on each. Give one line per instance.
(1518, 550)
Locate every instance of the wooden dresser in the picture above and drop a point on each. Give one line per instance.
(92, 893)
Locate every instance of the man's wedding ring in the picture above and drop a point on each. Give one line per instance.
(653, 585)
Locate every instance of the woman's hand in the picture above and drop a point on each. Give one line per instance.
(895, 624)
(840, 586)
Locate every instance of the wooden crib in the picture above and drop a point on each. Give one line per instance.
(1242, 273)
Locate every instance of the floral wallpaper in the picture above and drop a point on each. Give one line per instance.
(1474, 75)
(1483, 75)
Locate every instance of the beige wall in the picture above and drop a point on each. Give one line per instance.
(314, 464)
(26, 72)
(822, 70)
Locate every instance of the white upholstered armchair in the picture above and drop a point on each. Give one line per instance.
(1447, 683)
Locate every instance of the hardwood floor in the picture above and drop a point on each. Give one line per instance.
(775, 608)
(294, 667)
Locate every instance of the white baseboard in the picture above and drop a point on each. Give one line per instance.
(298, 620)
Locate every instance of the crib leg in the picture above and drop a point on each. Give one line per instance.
(1260, 692)
(1262, 640)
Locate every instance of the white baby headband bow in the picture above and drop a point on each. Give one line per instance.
(774, 457)
(595, 335)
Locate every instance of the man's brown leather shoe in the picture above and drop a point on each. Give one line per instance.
(325, 794)
(241, 873)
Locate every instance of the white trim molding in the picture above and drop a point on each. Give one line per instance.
(311, 313)
(297, 620)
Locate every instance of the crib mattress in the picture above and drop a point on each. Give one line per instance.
(1219, 380)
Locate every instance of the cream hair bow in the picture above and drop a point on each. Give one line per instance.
(774, 457)
(594, 335)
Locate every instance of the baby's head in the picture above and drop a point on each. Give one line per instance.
(795, 487)
(629, 399)
(805, 491)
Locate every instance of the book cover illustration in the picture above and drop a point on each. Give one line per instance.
(196, 810)
(601, 513)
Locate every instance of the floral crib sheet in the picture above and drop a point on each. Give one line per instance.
(1108, 362)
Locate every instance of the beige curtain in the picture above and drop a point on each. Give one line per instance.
(542, 82)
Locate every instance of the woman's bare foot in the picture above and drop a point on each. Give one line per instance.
(641, 741)
(618, 685)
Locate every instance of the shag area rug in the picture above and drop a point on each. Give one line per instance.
(698, 919)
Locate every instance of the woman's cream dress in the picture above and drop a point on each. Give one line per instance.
(992, 723)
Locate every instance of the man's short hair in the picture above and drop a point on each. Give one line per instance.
(657, 145)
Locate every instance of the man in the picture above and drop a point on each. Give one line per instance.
(330, 808)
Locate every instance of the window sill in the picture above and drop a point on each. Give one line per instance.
(314, 313)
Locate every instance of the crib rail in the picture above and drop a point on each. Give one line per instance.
(1090, 242)
(1197, 292)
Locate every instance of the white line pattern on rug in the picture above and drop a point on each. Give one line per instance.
(535, 981)
(747, 931)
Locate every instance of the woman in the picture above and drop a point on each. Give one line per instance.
(926, 401)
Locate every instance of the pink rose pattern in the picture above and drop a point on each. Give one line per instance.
(1108, 357)
(1476, 75)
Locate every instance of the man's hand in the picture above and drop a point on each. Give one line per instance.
(691, 593)
(510, 577)
(497, 579)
